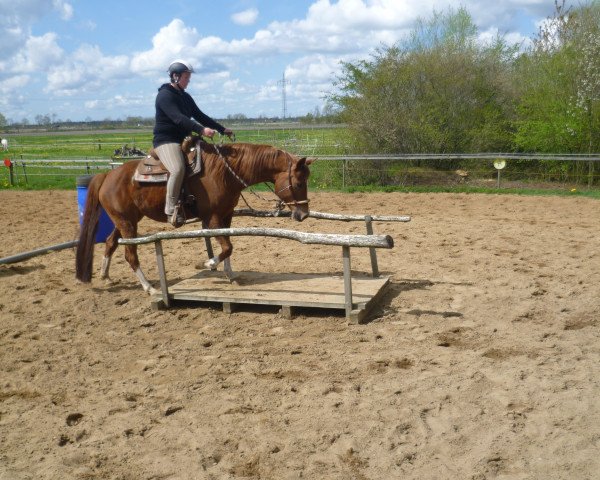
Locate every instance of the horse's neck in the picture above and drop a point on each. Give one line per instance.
(256, 165)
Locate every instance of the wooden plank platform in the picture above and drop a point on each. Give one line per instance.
(286, 290)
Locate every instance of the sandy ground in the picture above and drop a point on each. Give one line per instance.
(482, 361)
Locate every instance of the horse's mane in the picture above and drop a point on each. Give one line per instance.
(247, 160)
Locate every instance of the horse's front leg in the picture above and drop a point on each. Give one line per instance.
(226, 250)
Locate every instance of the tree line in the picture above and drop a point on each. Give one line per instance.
(444, 90)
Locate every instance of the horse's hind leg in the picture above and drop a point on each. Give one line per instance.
(112, 242)
(131, 251)
(129, 230)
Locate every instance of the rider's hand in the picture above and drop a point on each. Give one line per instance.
(229, 133)
(208, 132)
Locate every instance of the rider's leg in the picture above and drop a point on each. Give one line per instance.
(171, 156)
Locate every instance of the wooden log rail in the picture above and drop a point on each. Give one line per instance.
(345, 241)
(368, 219)
(248, 212)
(369, 241)
(38, 251)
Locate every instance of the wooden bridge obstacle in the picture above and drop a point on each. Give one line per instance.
(288, 291)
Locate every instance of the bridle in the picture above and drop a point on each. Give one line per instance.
(290, 185)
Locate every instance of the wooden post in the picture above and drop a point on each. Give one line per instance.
(372, 251)
(24, 172)
(347, 281)
(160, 260)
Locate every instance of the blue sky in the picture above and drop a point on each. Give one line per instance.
(80, 59)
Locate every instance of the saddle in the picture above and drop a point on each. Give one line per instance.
(151, 170)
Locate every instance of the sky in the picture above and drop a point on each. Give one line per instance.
(82, 59)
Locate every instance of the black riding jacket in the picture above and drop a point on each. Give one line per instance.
(174, 112)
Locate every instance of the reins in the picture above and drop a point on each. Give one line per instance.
(278, 201)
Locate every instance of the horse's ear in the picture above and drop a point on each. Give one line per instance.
(304, 161)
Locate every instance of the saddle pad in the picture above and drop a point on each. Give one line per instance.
(142, 178)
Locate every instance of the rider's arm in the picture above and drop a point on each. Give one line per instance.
(172, 110)
(204, 119)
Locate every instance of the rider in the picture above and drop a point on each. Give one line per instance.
(176, 116)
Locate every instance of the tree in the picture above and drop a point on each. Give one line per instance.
(440, 91)
(237, 117)
(3, 121)
(559, 78)
(43, 119)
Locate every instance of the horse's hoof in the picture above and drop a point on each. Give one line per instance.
(211, 263)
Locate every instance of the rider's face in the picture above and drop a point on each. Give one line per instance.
(184, 79)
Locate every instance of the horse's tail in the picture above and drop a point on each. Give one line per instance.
(84, 256)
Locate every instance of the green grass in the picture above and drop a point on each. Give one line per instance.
(317, 141)
(90, 145)
(314, 142)
(467, 189)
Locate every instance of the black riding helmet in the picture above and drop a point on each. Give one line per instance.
(177, 68)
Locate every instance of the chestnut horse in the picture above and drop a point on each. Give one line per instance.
(226, 171)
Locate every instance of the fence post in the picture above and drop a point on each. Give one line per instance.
(24, 172)
(372, 252)
(347, 281)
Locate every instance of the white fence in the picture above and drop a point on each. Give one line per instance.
(335, 171)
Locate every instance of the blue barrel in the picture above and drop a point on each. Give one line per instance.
(105, 224)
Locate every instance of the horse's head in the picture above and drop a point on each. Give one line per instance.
(291, 185)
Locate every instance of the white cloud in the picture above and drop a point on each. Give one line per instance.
(87, 69)
(172, 41)
(88, 25)
(64, 9)
(513, 38)
(308, 48)
(313, 69)
(177, 41)
(39, 54)
(18, 18)
(247, 17)
(13, 83)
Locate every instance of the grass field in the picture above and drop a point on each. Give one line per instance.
(312, 141)
(54, 160)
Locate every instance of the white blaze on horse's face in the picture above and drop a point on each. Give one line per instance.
(291, 186)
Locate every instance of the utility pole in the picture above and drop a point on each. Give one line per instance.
(283, 82)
